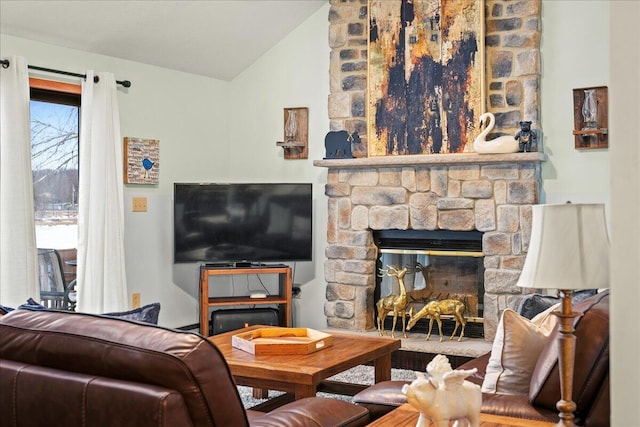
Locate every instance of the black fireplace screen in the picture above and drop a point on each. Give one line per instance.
(440, 265)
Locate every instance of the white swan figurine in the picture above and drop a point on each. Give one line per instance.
(499, 145)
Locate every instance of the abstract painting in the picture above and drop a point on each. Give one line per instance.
(141, 161)
(426, 75)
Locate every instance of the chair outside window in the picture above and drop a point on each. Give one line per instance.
(54, 291)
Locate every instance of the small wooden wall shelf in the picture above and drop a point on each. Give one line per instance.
(298, 147)
(598, 137)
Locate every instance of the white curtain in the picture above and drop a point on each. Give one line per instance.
(101, 279)
(18, 253)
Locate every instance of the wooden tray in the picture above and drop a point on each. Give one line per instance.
(281, 341)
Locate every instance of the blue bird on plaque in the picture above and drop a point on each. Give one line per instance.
(147, 165)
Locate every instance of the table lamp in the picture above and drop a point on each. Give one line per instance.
(568, 250)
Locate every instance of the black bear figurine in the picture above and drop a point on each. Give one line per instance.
(526, 137)
(338, 144)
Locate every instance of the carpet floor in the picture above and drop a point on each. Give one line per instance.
(359, 375)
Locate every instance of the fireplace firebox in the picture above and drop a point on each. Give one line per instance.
(441, 264)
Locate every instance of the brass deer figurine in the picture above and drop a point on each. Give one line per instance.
(397, 303)
(434, 309)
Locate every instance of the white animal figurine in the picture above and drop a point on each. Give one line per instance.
(501, 144)
(445, 396)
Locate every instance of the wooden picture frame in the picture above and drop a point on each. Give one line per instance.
(141, 161)
(426, 75)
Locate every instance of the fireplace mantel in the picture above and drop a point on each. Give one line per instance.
(457, 159)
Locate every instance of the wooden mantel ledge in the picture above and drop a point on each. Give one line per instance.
(459, 159)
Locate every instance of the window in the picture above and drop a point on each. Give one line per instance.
(55, 114)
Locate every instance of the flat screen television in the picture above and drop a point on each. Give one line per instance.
(217, 223)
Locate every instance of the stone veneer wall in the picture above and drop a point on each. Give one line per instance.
(439, 194)
(493, 198)
(512, 58)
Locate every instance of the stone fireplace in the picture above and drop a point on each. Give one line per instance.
(491, 194)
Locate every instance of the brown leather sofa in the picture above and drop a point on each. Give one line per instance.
(75, 369)
(590, 386)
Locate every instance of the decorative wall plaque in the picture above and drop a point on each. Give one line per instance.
(141, 161)
(591, 117)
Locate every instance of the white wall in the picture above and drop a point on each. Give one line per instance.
(294, 73)
(624, 62)
(595, 43)
(574, 48)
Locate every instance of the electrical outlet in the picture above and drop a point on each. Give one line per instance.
(135, 300)
(139, 204)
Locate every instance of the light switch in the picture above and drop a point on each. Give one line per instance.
(139, 204)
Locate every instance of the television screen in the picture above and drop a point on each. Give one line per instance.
(230, 223)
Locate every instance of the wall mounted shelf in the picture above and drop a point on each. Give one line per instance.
(595, 136)
(296, 131)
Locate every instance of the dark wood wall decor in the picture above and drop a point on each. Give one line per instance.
(595, 136)
(296, 133)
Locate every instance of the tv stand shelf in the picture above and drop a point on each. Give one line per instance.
(246, 300)
(283, 299)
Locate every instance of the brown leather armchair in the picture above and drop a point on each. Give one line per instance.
(590, 384)
(76, 369)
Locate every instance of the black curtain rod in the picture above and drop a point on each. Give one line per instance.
(96, 79)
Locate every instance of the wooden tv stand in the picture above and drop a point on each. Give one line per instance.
(282, 299)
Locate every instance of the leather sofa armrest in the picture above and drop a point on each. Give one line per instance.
(383, 393)
(313, 411)
(480, 363)
(381, 398)
(517, 406)
(69, 398)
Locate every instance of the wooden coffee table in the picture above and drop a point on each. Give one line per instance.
(407, 416)
(303, 375)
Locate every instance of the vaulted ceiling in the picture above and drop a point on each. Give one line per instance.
(215, 38)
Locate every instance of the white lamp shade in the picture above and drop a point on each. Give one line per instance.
(569, 248)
